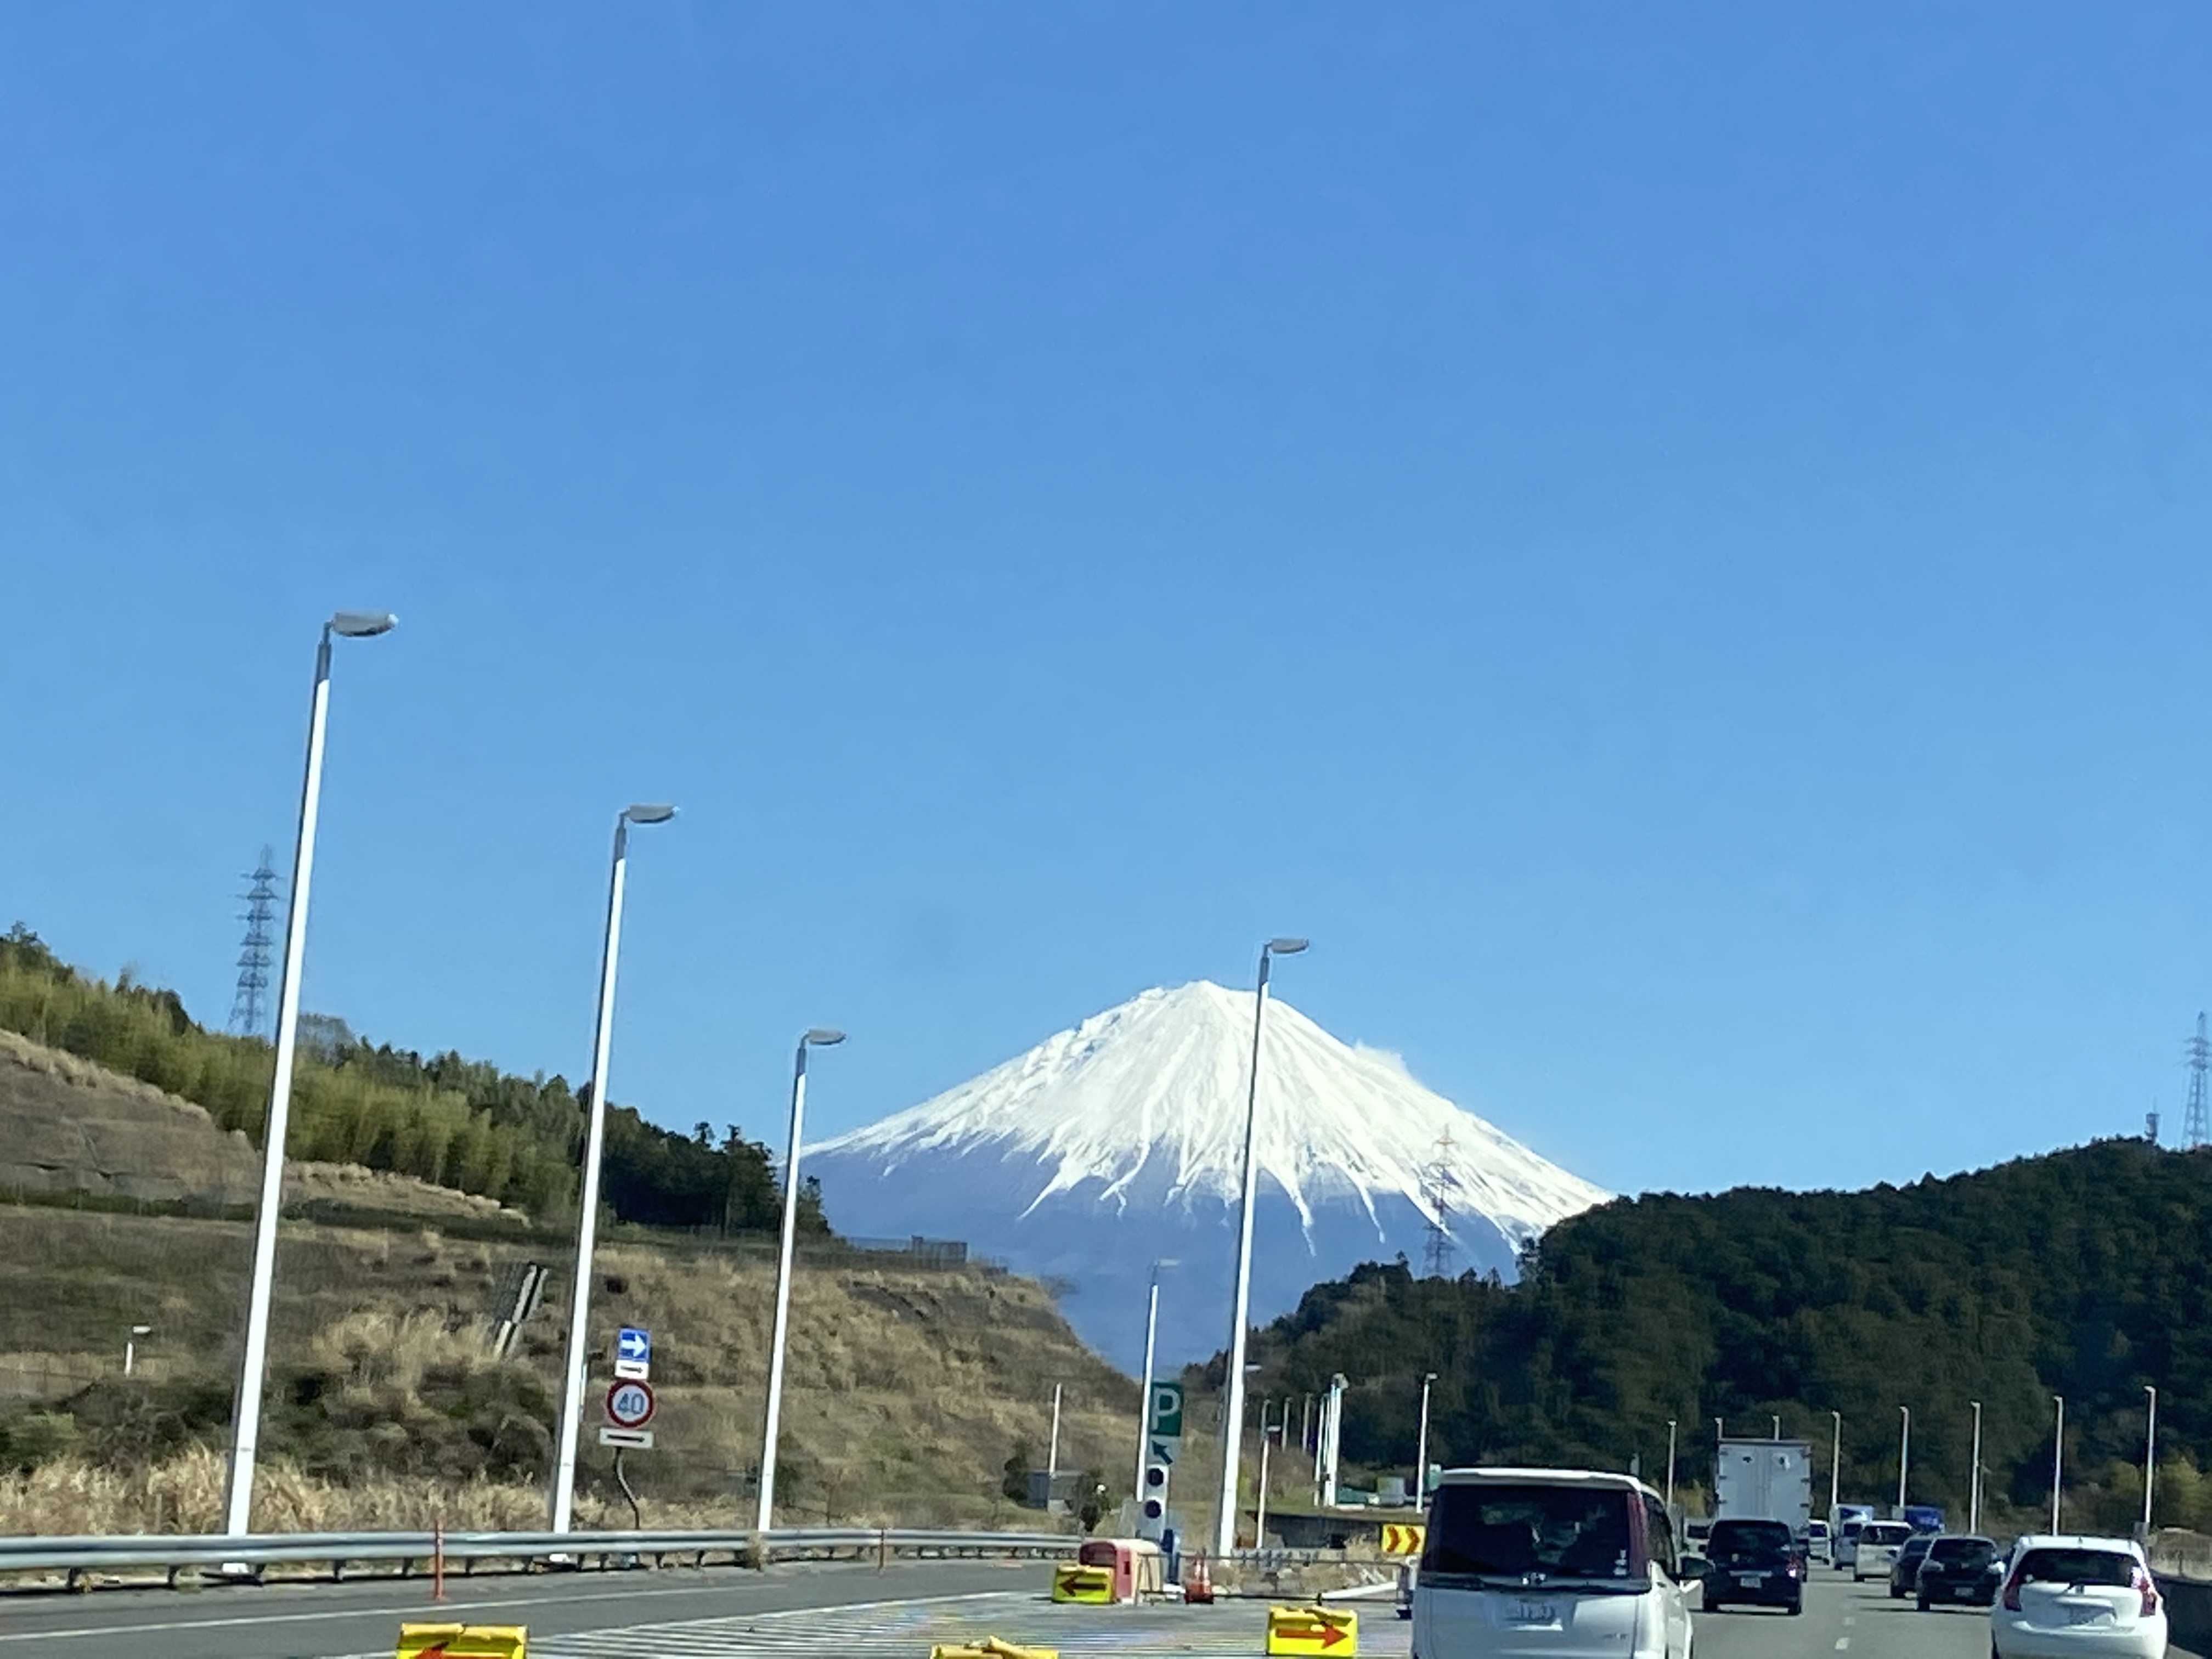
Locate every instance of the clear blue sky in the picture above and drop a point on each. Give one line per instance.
(1673, 541)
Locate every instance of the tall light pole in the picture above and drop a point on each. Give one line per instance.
(245, 1417)
(1052, 1447)
(1260, 1517)
(1904, 1455)
(2150, 1454)
(1232, 1414)
(1144, 1392)
(1670, 1469)
(563, 1495)
(1421, 1445)
(1835, 1471)
(2058, 1458)
(821, 1036)
(1974, 1474)
(1778, 1424)
(131, 1347)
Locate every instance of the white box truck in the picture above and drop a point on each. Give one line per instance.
(1765, 1480)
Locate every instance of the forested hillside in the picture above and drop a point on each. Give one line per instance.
(455, 1122)
(2086, 1274)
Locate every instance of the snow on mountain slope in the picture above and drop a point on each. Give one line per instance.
(1120, 1141)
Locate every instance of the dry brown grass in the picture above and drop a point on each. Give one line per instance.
(185, 1495)
(907, 1388)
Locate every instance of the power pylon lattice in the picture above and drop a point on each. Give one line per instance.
(248, 1005)
(1439, 1185)
(2196, 1122)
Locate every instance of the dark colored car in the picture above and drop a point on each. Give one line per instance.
(1904, 1575)
(1754, 1563)
(1960, 1568)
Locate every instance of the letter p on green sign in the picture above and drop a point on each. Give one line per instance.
(1166, 1410)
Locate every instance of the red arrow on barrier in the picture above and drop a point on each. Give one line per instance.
(1327, 1635)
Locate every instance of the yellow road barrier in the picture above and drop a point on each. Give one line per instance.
(463, 1642)
(1071, 1582)
(1402, 1538)
(1313, 1629)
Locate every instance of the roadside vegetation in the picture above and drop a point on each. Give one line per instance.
(907, 1386)
(450, 1121)
(2080, 1274)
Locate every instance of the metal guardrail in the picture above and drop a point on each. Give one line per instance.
(175, 1552)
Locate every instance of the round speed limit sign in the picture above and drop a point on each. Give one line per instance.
(629, 1405)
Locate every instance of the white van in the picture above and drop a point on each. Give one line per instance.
(1879, 1543)
(1560, 1564)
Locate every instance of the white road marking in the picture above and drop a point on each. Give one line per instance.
(1842, 1642)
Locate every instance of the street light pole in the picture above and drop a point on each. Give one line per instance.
(1421, 1446)
(1670, 1469)
(1974, 1474)
(245, 1420)
(2150, 1455)
(1052, 1448)
(131, 1346)
(1904, 1455)
(1835, 1472)
(1260, 1523)
(1232, 1414)
(821, 1036)
(562, 1495)
(2058, 1458)
(1778, 1424)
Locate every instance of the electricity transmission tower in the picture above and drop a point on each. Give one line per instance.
(246, 1006)
(2196, 1122)
(1439, 1183)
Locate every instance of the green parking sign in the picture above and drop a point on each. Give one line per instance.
(1164, 1419)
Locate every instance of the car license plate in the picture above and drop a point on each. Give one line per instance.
(1751, 1579)
(1532, 1613)
(2088, 1615)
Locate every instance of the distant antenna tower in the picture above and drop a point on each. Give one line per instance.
(1440, 1181)
(2150, 1126)
(2196, 1122)
(253, 951)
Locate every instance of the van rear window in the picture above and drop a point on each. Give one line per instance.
(1519, 1532)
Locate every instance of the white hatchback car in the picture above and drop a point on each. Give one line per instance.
(1550, 1563)
(2075, 1597)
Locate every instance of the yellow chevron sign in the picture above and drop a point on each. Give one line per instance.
(1070, 1583)
(1402, 1538)
(1313, 1629)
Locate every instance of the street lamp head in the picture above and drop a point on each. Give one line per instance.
(1286, 947)
(649, 812)
(1430, 1378)
(141, 1330)
(823, 1036)
(362, 624)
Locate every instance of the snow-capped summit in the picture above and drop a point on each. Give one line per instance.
(1120, 1141)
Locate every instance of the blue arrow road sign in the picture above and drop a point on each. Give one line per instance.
(633, 1344)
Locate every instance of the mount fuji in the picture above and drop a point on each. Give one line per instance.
(1119, 1142)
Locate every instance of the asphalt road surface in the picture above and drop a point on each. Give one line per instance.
(1847, 1620)
(853, 1612)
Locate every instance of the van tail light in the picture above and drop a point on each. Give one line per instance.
(2012, 1592)
(2148, 1587)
